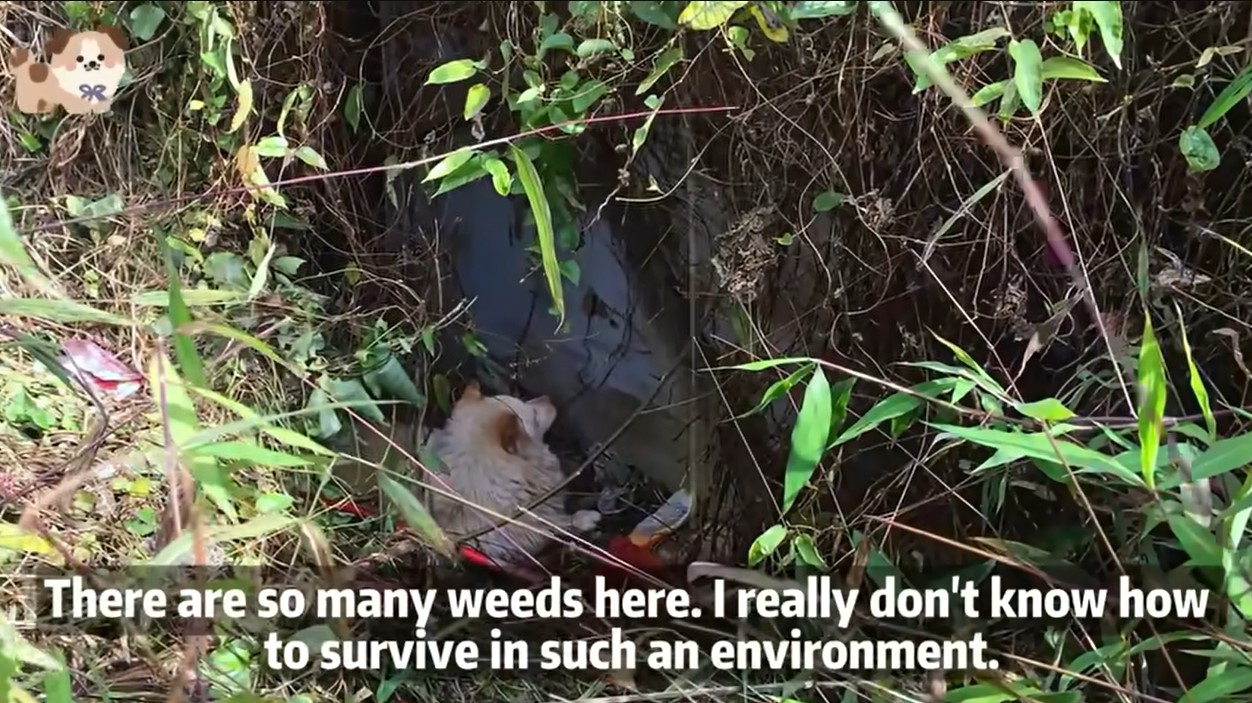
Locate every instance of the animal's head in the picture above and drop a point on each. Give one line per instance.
(509, 422)
(100, 52)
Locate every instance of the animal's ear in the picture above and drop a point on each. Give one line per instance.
(545, 412)
(471, 393)
(507, 431)
(116, 34)
(58, 41)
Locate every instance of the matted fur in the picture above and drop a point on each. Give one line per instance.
(495, 457)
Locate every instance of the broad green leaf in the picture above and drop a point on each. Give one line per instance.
(654, 13)
(988, 93)
(1224, 456)
(591, 47)
(808, 552)
(1197, 542)
(702, 16)
(352, 390)
(817, 9)
(828, 200)
(1226, 686)
(249, 452)
(1108, 17)
(544, 232)
(390, 379)
(501, 179)
(1027, 73)
(272, 147)
(889, 408)
(452, 72)
(1233, 94)
(766, 544)
(1197, 383)
(808, 437)
(450, 163)
(475, 99)
(1152, 407)
(1069, 68)
(353, 104)
(145, 20)
(664, 62)
(1037, 446)
(1046, 410)
(779, 388)
(310, 156)
(1198, 149)
(842, 393)
(64, 311)
(416, 516)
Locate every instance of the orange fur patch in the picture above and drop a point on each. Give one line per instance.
(506, 430)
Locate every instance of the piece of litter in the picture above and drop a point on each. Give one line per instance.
(99, 369)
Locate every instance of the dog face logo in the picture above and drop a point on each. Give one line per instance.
(81, 74)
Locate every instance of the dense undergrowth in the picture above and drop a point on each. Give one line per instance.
(1064, 411)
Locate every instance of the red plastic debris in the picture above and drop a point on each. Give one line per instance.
(99, 369)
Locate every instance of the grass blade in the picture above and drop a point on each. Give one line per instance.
(543, 228)
(1152, 407)
(416, 516)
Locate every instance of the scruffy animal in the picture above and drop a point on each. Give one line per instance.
(82, 72)
(494, 456)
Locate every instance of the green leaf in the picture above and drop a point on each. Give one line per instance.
(286, 436)
(452, 72)
(1196, 541)
(808, 437)
(889, 408)
(145, 19)
(842, 393)
(591, 47)
(1037, 446)
(1069, 68)
(475, 99)
(766, 544)
(1108, 17)
(539, 207)
(501, 179)
(352, 106)
(450, 163)
(763, 364)
(1197, 383)
(988, 93)
(189, 360)
(1233, 94)
(248, 452)
(828, 200)
(664, 62)
(980, 375)
(1152, 408)
(808, 552)
(416, 516)
(1198, 149)
(654, 13)
(1224, 456)
(309, 155)
(817, 9)
(1046, 410)
(1027, 73)
(351, 390)
(391, 380)
(779, 388)
(64, 311)
(18, 539)
(274, 502)
(702, 16)
(272, 147)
